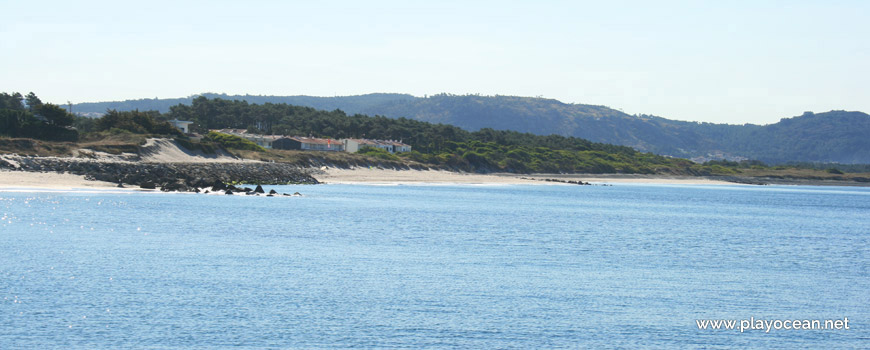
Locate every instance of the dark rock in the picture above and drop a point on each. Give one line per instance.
(272, 191)
(175, 186)
(259, 189)
(199, 183)
(229, 192)
(169, 175)
(218, 186)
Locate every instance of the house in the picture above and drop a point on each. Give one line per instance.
(398, 146)
(354, 145)
(308, 144)
(181, 125)
(265, 141)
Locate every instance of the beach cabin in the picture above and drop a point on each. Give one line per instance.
(182, 125)
(308, 144)
(265, 141)
(400, 147)
(354, 145)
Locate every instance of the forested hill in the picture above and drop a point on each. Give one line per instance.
(835, 136)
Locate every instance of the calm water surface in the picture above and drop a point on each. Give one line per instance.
(354, 266)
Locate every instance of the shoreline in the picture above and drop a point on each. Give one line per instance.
(28, 180)
(13, 180)
(389, 176)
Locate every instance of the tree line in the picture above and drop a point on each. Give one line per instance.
(28, 116)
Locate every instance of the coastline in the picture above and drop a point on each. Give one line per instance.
(11, 180)
(389, 176)
(29, 180)
(46, 180)
(166, 165)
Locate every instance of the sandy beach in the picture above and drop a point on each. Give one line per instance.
(44, 180)
(55, 181)
(379, 176)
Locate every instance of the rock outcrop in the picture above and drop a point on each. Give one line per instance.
(168, 176)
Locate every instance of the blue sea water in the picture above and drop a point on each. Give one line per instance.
(434, 266)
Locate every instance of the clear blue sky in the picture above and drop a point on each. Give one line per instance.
(716, 61)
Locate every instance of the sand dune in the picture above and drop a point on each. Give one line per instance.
(168, 151)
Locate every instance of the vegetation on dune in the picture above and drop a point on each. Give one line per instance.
(232, 142)
(378, 153)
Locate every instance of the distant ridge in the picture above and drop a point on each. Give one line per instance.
(350, 104)
(835, 136)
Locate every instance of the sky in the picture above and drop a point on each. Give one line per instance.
(714, 61)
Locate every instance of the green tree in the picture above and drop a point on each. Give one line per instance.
(136, 122)
(85, 124)
(13, 101)
(33, 102)
(55, 114)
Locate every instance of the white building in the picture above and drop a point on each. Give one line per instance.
(264, 141)
(354, 145)
(181, 125)
(309, 144)
(400, 147)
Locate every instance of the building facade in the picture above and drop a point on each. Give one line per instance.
(317, 144)
(392, 146)
(308, 144)
(182, 125)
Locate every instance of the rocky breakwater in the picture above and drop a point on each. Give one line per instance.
(166, 176)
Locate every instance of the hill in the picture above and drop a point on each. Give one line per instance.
(835, 136)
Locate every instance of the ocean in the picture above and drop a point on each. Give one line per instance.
(435, 266)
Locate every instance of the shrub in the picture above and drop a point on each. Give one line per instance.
(378, 153)
(233, 142)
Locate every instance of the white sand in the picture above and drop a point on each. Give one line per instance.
(168, 151)
(12, 180)
(374, 176)
(154, 150)
(31, 180)
(381, 176)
